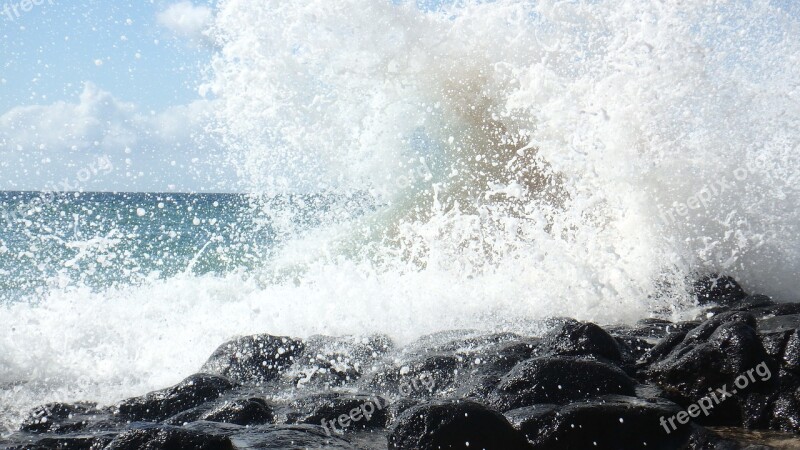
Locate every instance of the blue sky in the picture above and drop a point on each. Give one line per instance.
(125, 74)
(50, 51)
(115, 81)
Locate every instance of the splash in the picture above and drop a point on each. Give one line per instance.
(611, 150)
(523, 160)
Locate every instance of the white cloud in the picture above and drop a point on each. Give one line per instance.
(42, 145)
(186, 20)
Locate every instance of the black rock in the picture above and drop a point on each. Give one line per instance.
(712, 356)
(189, 393)
(754, 301)
(70, 441)
(777, 324)
(575, 338)
(703, 331)
(784, 347)
(61, 418)
(785, 414)
(559, 380)
(481, 375)
(790, 357)
(463, 343)
(254, 359)
(664, 347)
(775, 343)
(247, 411)
(419, 378)
(606, 423)
(330, 362)
(454, 425)
(533, 420)
(721, 290)
(164, 437)
(283, 437)
(780, 309)
(340, 412)
(702, 439)
(633, 349)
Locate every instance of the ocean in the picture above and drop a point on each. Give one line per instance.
(415, 168)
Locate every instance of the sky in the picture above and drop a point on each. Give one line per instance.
(111, 84)
(114, 83)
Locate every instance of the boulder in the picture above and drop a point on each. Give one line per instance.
(575, 338)
(282, 437)
(419, 378)
(61, 418)
(165, 437)
(559, 380)
(340, 412)
(720, 290)
(454, 425)
(68, 441)
(189, 393)
(785, 408)
(330, 362)
(254, 359)
(605, 423)
(713, 356)
(245, 411)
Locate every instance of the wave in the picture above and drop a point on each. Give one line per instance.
(621, 147)
(525, 159)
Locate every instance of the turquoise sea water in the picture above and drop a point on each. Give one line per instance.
(102, 239)
(58, 240)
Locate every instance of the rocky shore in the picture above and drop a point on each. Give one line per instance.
(708, 384)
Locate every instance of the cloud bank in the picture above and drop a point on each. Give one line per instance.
(169, 150)
(186, 20)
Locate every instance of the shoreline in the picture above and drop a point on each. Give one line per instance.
(619, 384)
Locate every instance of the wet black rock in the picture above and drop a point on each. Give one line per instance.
(189, 393)
(340, 412)
(464, 342)
(454, 425)
(785, 413)
(429, 374)
(164, 437)
(720, 290)
(651, 330)
(696, 334)
(70, 441)
(713, 356)
(778, 323)
(330, 362)
(485, 369)
(754, 301)
(633, 349)
(254, 359)
(790, 356)
(575, 338)
(247, 411)
(606, 423)
(61, 418)
(663, 348)
(780, 309)
(559, 380)
(703, 439)
(283, 437)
